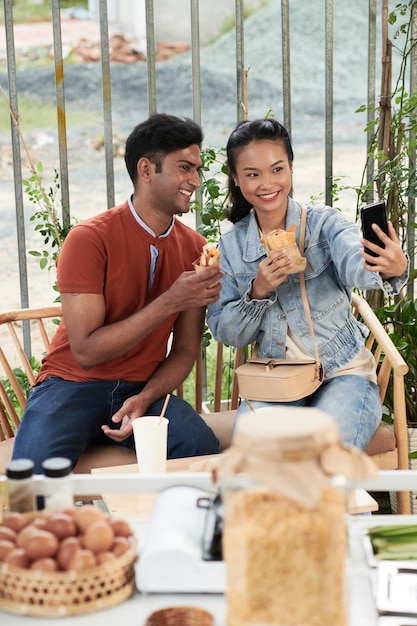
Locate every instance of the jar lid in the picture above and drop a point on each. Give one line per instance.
(283, 431)
(20, 469)
(292, 450)
(57, 467)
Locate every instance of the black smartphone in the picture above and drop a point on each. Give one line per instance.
(374, 213)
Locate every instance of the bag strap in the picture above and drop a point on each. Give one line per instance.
(306, 304)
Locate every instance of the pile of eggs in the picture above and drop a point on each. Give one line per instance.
(75, 539)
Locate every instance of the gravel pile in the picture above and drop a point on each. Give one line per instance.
(218, 77)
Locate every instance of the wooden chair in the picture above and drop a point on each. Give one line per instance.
(13, 358)
(388, 447)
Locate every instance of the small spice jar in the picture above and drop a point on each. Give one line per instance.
(284, 538)
(20, 492)
(57, 483)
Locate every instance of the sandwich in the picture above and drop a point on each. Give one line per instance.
(209, 256)
(277, 239)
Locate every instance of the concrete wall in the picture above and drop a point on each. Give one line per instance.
(172, 17)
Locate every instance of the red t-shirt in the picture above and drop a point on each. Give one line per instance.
(110, 254)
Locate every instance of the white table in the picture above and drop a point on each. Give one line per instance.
(135, 611)
(119, 504)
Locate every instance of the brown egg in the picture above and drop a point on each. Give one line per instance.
(45, 564)
(16, 521)
(71, 511)
(62, 525)
(40, 543)
(105, 557)
(81, 560)
(23, 535)
(120, 545)
(7, 533)
(5, 546)
(98, 536)
(86, 515)
(39, 522)
(121, 528)
(66, 551)
(17, 557)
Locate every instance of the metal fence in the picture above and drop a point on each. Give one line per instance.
(373, 7)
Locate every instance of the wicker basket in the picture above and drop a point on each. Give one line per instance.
(180, 615)
(30, 592)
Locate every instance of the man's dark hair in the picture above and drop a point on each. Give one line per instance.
(156, 137)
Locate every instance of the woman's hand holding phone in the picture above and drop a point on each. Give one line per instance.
(381, 242)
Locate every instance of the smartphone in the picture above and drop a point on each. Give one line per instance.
(374, 213)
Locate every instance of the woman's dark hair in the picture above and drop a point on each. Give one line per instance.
(156, 137)
(244, 133)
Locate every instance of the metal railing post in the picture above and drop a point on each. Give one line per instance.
(17, 168)
(241, 94)
(107, 102)
(151, 56)
(329, 102)
(286, 64)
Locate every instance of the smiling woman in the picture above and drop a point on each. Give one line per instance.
(261, 301)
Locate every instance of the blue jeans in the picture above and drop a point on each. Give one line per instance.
(62, 418)
(353, 401)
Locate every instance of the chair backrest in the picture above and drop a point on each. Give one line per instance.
(389, 362)
(17, 371)
(386, 355)
(227, 359)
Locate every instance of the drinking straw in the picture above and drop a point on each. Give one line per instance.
(164, 408)
(249, 405)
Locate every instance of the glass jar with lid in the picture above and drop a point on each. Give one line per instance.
(284, 538)
(58, 493)
(20, 491)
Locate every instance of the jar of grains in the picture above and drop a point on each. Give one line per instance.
(20, 489)
(284, 537)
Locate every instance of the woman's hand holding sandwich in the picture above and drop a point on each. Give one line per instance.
(272, 271)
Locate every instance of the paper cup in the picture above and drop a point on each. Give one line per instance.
(151, 443)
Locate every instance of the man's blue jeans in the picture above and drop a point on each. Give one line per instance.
(353, 401)
(62, 418)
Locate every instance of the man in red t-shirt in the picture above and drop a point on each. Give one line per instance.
(133, 310)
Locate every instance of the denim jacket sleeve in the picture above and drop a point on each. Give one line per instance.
(235, 319)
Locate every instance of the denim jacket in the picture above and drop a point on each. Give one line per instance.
(334, 267)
